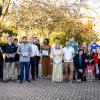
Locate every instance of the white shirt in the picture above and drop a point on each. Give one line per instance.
(35, 51)
(68, 54)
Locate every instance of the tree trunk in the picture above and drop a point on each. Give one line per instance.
(4, 6)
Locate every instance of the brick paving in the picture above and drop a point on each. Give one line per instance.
(45, 89)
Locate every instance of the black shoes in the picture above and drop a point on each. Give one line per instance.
(18, 77)
(5, 81)
(66, 81)
(1, 80)
(28, 81)
(20, 82)
(37, 77)
(33, 78)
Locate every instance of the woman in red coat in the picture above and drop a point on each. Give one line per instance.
(97, 63)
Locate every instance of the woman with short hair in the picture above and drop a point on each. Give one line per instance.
(45, 49)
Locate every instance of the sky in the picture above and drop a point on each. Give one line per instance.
(96, 13)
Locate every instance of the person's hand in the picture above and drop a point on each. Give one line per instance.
(80, 70)
(90, 61)
(51, 56)
(25, 54)
(14, 54)
(97, 71)
(65, 60)
(59, 62)
(19, 53)
(6, 55)
(71, 59)
(1, 50)
(86, 61)
(63, 56)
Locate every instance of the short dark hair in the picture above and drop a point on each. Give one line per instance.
(80, 50)
(35, 37)
(94, 38)
(24, 37)
(9, 36)
(15, 39)
(67, 40)
(56, 38)
(72, 36)
(46, 40)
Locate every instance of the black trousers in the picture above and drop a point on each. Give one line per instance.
(34, 61)
(1, 70)
(80, 75)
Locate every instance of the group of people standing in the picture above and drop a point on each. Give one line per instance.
(14, 57)
(80, 63)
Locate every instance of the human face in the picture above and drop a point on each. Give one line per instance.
(98, 50)
(45, 41)
(81, 52)
(94, 41)
(10, 40)
(89, 49)
(31, 40)
(67, 43)
(24, 40)
(16, 42)
(84, 45)
(35, 40)
(56, 41)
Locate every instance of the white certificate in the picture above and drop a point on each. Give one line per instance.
(10, 55)
(25, 54)
(45, 52)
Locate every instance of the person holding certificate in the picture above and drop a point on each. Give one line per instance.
(33, 59)
(57, 56)
(9, 51)
(24, 50)
(45, 49)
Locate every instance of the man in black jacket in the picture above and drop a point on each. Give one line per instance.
(9, 51)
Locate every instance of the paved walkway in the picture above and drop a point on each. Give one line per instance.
(45, 89)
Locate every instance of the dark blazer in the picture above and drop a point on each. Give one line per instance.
(9, 49)
(89, 57)
(1, 57)
(77, 63)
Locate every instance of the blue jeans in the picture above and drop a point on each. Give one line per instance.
(27, 68)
